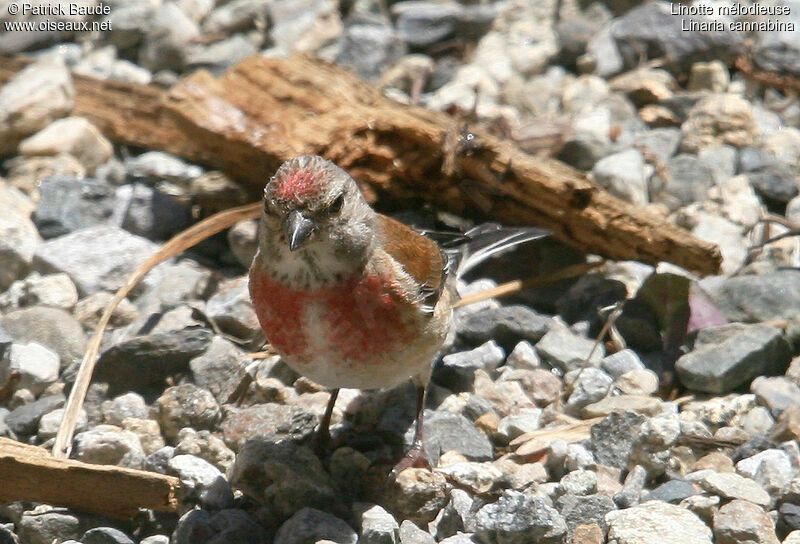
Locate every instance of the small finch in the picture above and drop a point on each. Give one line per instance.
(350, 297)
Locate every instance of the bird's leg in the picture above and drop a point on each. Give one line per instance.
(416, 456)
(323, 437)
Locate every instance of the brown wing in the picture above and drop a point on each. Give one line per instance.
(419, 255)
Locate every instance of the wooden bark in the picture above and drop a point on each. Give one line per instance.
(264, 111)
(28, 473)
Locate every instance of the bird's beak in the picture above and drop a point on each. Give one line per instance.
(297, 229)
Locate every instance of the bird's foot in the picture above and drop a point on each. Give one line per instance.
(416, 457)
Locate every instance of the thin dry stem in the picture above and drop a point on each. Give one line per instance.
(186, 239)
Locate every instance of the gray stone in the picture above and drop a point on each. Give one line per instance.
(732, 486)
(456, 517)
(653, 447)
(18, 242)
(451, 432)
(169, 36)
(309, 525)
(235, 526)
(728, 356)
(206, 446)
(657, 522)
(243, 242)
(146, 211)
(621, 362)
(230, 308)
(523, 421)
(457, 370)
(652, 28)
(583, 509)
(587, 296)
(578, 482)
(578, 457)
(220, 369)
(584, 150)
(623, 174)
(377, 525)
(54, 290)
(126, 405)
(143, 363)
(632, 487)
(478, 478)
(790, 515)
(762, 297)
(194, 527)
(523, 356)
(304, 25)
(779, 50)
(35, 97)
(587, 385)
(709, 76)
(98, 258)
(155, 166)
(219, 56)
(423, 24)
(720, 119)
(236, 16)
(7, 535)
(613, 438)
(201, 481)
(742, 521)
(518, 518)
(183, 283)
(507, 325)
(775, 184)
(411, 534)
(721, 160)
(105, 535)
(777, 394)
(661, 142)
(772, 469)
(673, 491)
(50, 422)
(568, 351)
(370, 48)
(186, 405)
(688, 180)
(109, 445)
(89, 309)
(158, 461)
(269, 421)
(68, 204)
(48, 526)
(24, 420)
(417, 494)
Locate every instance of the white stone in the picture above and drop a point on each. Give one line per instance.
(32, 99)
(73, 135)
(37, 365)
(656, 521)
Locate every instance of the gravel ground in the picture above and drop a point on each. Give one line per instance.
(693, 439)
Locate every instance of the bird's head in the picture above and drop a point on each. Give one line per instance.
(313, 208)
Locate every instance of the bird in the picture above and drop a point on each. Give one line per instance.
(351, 298)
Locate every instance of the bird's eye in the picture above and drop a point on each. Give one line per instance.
(337, 204)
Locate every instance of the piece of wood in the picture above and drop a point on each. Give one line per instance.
(535, 442)
(264, 111)
(29, 473)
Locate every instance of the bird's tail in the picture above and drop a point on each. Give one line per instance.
(481, 242)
